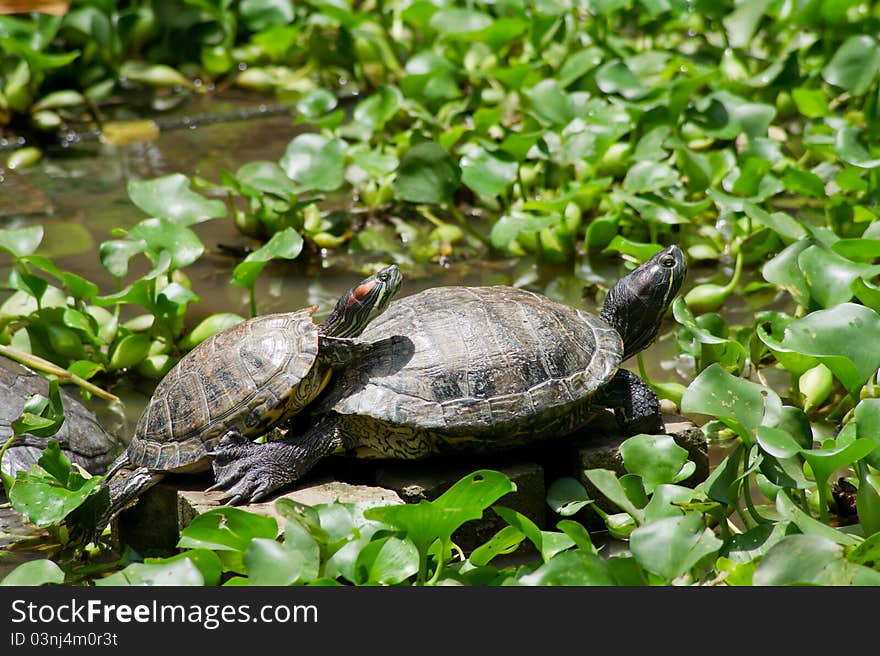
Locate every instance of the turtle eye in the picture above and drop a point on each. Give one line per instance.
(383, 276)
(668, 261)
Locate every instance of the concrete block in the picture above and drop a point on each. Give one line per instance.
(154, 524)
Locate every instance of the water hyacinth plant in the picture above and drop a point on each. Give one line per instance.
(563, 136)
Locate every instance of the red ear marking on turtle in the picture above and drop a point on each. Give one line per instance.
(360, 292)
(313, 309)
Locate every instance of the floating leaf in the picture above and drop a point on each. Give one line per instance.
(171, 198)
(315, 162)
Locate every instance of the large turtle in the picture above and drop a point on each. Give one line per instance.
(243, 382)
(474, 368)
(81, 436)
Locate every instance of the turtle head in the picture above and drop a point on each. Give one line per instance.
(362, 303)
(635, 305)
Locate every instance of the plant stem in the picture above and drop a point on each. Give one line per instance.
(36, 362)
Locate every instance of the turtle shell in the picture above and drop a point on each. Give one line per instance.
(474, 361)
(249, 377)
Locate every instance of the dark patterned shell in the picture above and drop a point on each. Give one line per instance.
(468, 359)
(81, 436)
(246, 377)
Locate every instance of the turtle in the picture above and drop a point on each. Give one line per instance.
(473, 369)
(244, 381)
(81, 436)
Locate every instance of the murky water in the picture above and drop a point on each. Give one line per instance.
(79, 196)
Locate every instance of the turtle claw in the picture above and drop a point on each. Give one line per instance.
(243, 472)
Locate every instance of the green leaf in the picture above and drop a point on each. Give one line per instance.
(830, 276)
(867, 415)
(851, 150)
(226, 529)
(428, 521)
(790, 511)
(548, 543)
(378, 108)
(646, 176)
(616, 77)
(315, 162)
(129, 351)
(777, 442)
(550, 103)
(812, 103)
(173, 571)
(317, 103)
(671, 546)
(657, 459)
(505, 541)
(285, 244)
(267, 177)
(178, 241)
(566, 496)
(269, 562)
(116, 254)
(842, 338)
(457, 22)
(34, 572)
(208, 327)
(743, 21)
(171, 198)
(737, 402)
(571, 568)
(45, 500)
(803, 182)
(155, 75)
(855, 65)
(606, 482)
(427, 174)
(810, 559)
(511, 225)
(388, 561)
(19, 242)
(488, 173)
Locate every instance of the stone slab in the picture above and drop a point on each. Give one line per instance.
(154, 524)
(162, 512)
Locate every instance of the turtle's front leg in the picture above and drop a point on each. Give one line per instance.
(248, 471)
(634, 403)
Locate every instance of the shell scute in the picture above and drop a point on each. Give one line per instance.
(241, 378)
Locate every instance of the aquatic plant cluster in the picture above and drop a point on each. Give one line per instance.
(557, 132)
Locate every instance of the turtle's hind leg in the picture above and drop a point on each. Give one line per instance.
(129, 487)
(634, 403)
(248, 471)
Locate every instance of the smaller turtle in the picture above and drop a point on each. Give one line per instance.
(81, 437)
(474, 369)
(243, 382)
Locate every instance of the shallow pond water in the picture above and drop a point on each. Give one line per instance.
(78, 194)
